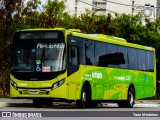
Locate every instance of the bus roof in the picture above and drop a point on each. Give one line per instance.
(112, 40)
(96, 37)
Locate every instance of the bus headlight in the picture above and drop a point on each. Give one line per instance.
(14, 85)
(57, 84)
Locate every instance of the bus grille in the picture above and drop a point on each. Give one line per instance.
(34, 92)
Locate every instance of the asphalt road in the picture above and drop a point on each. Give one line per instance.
(26, 104)
(23, 108)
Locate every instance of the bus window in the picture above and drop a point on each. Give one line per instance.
(73, 56)
(150, 61)
(82, 57)
(100, 54)
(132, 58)
(111, 58)
(89, 51)
(123, 59)
(141, 60)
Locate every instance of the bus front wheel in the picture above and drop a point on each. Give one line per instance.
(85, 100)
(130, 99)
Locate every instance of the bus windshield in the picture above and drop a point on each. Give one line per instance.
(43, 57)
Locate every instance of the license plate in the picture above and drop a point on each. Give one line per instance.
(33, 92)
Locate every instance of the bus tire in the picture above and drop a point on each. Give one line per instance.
(129, 103)
(85, 100)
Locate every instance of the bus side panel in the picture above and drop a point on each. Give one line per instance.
(74, 84)
(114, 93)
(111, 83)
(150, 85)
(98, 79)
(124, 79)
(76, 81)
(141, 85)
(119, 83)
(101, 80)
(144, 85)
(86, 75)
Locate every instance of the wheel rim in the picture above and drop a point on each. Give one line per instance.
(84, 97)
(131, 98)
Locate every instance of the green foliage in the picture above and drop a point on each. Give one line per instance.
(17, 15)
(53, 12)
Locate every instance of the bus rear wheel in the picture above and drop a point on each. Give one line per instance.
(129, 103)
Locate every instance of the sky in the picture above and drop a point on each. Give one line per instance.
(127, 8)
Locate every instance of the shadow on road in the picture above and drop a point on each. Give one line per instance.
(56, 106)
(63, 105)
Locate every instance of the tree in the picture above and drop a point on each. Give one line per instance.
(52, 13)
(12, 18)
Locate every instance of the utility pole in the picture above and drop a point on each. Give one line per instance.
(158, 9)
(76, 7)
(132, 7)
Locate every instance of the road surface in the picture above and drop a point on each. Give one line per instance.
(23, 108)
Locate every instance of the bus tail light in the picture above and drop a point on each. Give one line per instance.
(57, 84)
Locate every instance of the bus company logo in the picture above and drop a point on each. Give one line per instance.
(97, 74)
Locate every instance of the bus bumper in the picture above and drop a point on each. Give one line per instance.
(60, 92)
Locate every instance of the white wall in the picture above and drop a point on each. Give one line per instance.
(81, 7)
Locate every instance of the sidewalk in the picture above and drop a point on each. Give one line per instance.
(8, 100)
(148, 101)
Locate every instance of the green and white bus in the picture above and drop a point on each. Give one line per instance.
(67, 65)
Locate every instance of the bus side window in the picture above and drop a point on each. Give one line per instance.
(111, 56)
(141, 60)
(89, 52)
(150, 61)
(123, 57)
(100, 54)
(132, 58)
(73, 55)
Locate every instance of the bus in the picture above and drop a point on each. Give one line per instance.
(87, 69)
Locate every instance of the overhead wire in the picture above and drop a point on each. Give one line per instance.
(97, 7)
(124, 4)
(128, 5)
(118, 3)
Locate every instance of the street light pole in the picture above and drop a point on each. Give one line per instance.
(132, 7)
(76, 6)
